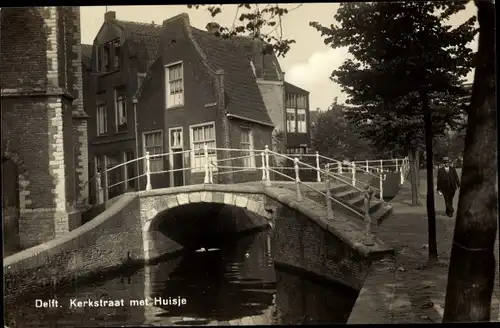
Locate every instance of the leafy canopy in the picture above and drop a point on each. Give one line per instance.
(260, 21)
(345, 143)
(401, 51)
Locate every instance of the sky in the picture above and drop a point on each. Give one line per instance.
(308, 64)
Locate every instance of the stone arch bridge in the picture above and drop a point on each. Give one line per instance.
(129, 231)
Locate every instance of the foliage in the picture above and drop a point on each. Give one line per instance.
(344, 143)
(259, 21)
(401, 50)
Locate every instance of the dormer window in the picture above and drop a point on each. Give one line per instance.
(108, 57)
(117, 54)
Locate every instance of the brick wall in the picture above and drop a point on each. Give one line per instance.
(273, 94)
(20, 27)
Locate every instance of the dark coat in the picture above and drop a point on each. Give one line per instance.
(447, 182)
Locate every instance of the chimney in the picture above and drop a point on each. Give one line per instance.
(109, 16)
(213, 27)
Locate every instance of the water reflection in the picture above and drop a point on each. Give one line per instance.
(235, 285)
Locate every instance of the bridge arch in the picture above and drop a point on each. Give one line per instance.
(153, 209)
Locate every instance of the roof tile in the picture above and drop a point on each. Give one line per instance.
(243, 94)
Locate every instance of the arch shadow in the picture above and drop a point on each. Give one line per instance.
(208, 225)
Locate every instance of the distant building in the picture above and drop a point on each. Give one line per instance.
(44, 125)
(298, 123)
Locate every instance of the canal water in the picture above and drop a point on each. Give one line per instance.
(236, 285)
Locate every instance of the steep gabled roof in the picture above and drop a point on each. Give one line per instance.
(87, 55)
(243, 97)
(293, 88)
(144, 38)
(271, 69)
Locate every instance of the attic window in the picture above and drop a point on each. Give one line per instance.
(253, 68)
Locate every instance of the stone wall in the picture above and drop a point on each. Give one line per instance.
(111, 240)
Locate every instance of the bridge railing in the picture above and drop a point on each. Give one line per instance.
(205, 161)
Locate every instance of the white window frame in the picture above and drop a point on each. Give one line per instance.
(248, 162)
(198, 157)
(173, 100)
(101, 118)
(301, 124)
(291, 125)
(123, 101)
(156, 163)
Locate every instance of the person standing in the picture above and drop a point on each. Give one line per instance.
(447, 184)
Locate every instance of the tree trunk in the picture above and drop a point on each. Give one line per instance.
(471, 274)
(413, 178)
(431, 210)
(417, 165)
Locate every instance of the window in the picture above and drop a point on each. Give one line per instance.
(117, 54)
(291, 123)
(299, 150)
(153, 143)
(121, 109)
(101, 118)
(140, 79)
(175, 85)
(302, 102)
(202, 135)
(247, 143)
(129, 170)
(301, 121)
(296, 109)
(108, 56)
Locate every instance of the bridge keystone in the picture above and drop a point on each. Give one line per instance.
(206, 196)
(218, 197)
(241, 201)
(194, 197)
(183, 199)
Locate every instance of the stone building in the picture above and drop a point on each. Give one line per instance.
(44, 125)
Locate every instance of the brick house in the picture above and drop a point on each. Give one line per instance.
(116, 64)
(44, 125)
(201, 90)
(213, 88)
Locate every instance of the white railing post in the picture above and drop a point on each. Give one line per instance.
(353, 172)
(207, 173)
(396, 165)
(99, 188)
(268, 178)
(148, 172)
(262, 156)
(318, 174)
(340, 165)
(367, 167)
(297, 179)
(211, 174)
(381, 185)
(368, 220)
(381, 166)
(401, 175)
(329, 210)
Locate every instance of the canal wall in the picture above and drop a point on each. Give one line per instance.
(127, 233)
(110, 240)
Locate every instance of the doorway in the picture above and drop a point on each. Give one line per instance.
(177, 159)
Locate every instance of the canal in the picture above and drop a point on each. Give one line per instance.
(236, 285)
